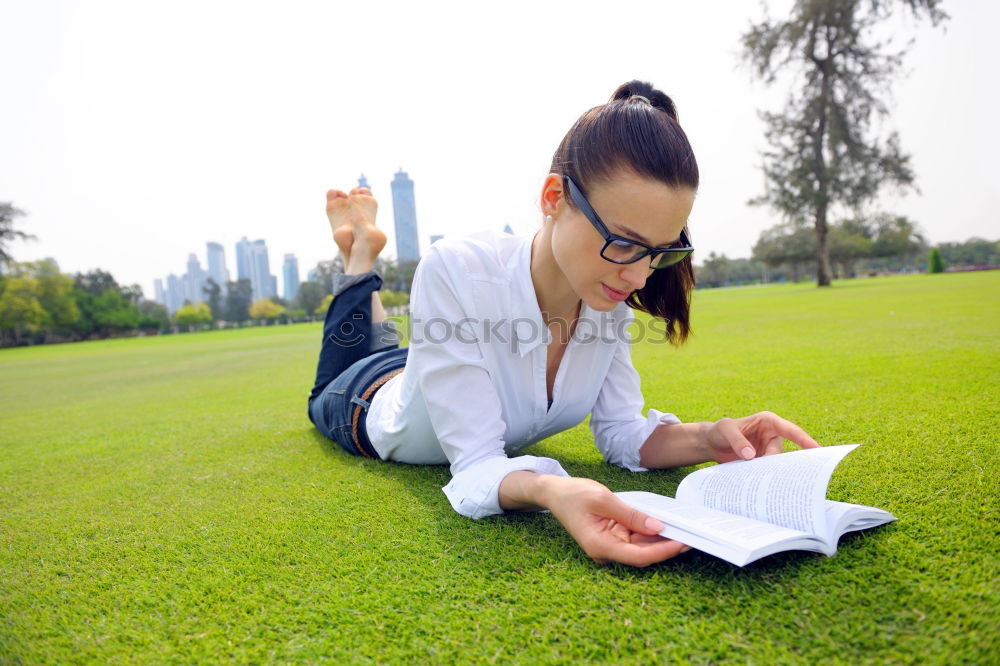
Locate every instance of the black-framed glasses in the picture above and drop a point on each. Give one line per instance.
(621, 250)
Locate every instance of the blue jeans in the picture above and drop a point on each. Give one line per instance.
(356, 354)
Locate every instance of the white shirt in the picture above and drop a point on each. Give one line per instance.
(473, 392)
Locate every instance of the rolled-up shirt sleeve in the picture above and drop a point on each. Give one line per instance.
(462, 402)
(616, 421)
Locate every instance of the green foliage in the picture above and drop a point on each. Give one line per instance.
(213, 298)
(718, 270)
(266, 309)
(180, 508)
(824, 150)
(54, 293)
(8, 214)
(309, 296)
(239, 295)
(324, 306)
(880, 236)
(20, 310)
(153, 315)
(973, 252)
(393, 298)
(935, 264)
(193, 316)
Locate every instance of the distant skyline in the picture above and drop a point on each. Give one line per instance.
(133, 125)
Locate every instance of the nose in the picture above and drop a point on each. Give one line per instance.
(636, 273)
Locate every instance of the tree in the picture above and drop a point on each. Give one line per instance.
(8, 213)
(788, 243)
(823, 151)
(153, 315)
(193, 316)
(239, 295)
(391, 299)
(95, 282)
(714, 271)
(934, 262)
(266, 309)
(324, 306)
(20, 310)
(973, 252)
(308, 297)
(213, 292)
(55, 295)
(850, 240)
(896, 236)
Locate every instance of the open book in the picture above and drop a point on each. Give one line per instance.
(741, 511)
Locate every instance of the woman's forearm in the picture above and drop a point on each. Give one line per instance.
(676, 445)
(526, 491)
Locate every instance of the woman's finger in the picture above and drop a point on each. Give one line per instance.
(730, 430)
(609, 506)
(792, 432)
(642, 553)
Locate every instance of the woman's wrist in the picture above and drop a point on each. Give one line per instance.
(677, 445)
(525, 490)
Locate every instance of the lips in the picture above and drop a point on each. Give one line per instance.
(614, 294)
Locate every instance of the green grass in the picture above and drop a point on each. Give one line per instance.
(167, 500)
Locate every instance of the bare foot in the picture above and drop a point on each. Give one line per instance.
(352, 218)
(337, 211)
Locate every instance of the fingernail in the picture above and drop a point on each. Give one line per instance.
(653, 525)
(747, 452)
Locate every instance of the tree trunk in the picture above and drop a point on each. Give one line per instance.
(824, 274)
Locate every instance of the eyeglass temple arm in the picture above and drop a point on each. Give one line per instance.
(584, 205)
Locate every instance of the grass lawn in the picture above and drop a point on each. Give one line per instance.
(167, 500)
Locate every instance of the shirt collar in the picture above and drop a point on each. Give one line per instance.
(527, 323)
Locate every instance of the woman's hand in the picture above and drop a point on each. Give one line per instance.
(606, 528)
(759, 434)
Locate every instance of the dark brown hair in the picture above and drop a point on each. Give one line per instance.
(637, 131)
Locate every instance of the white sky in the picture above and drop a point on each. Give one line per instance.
(133, 132)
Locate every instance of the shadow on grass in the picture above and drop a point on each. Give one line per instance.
(519, 542)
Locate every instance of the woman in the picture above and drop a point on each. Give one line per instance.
(516, 339)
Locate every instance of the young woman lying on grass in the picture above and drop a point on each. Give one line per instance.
(515, 339)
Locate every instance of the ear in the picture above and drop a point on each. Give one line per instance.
(552, 194)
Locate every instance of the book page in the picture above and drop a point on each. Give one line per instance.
(733, 538)
(788, 489)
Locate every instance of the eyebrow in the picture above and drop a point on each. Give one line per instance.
(639, 237)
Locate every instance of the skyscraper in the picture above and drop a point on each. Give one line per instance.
(436, 237)
(290, 272)
(404, 210)
(217, 264)
(363, 182)
(252, 264)
(243, 259)
(175, 293)
(194, 279)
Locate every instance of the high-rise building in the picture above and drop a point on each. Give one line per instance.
(290, 272)
(175, 293)
(436, 237)
(194, 280)
(507, 229)
(159, 294)
(217, 264)
(252, 264)
(243, 250)
(363, 182)
(404, 210)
